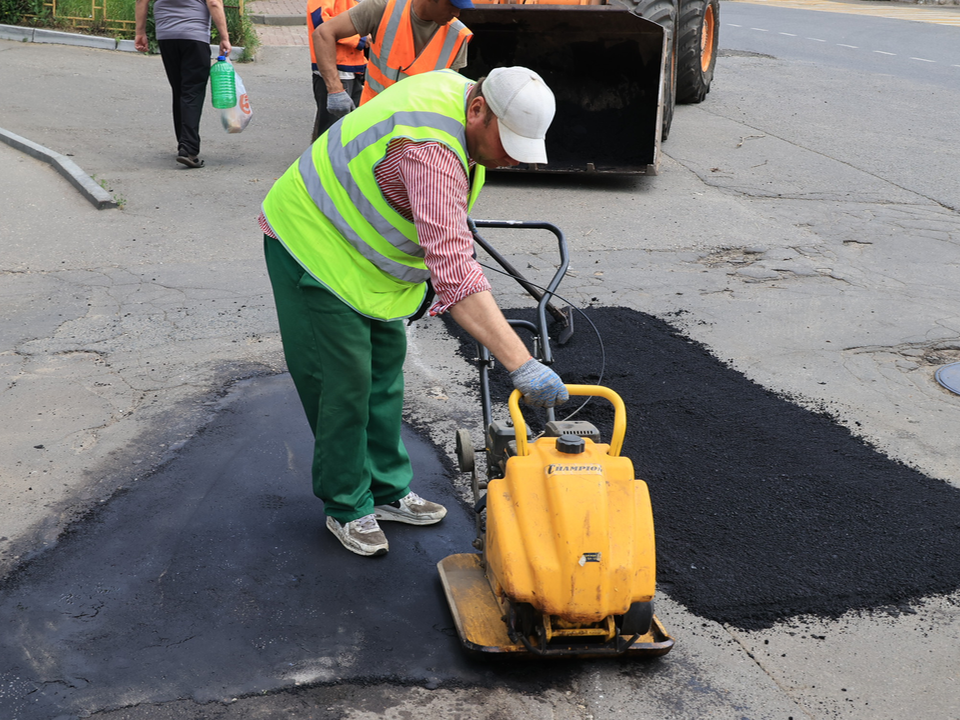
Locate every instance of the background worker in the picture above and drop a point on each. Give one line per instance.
(352, 232)
(183, 34)
(409, 37)
(351, 62)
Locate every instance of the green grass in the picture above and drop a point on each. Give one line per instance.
(12, 11)
(116, 20)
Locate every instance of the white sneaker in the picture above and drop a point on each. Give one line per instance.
(362, 536)
(411, 509)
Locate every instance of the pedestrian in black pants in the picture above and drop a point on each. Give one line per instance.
(183, 34)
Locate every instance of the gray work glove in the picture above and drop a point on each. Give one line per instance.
(339, 104)
(540, 386)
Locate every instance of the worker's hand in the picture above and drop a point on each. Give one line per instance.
(339, 104)
(141, 43)
(540, 386)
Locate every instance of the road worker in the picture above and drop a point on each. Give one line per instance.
(409, 37)
(352, 232)
(351, 62)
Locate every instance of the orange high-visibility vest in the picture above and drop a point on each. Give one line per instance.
(349, 50)
(393, 56)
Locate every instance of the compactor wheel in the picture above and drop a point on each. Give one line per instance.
(465, 452)
(638, 619)
(697, 45)
(525, 622)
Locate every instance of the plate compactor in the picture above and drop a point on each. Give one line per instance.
(567, 561)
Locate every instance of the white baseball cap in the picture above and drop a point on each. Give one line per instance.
(524, 107)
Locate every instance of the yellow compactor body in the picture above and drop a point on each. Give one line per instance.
(568, 564)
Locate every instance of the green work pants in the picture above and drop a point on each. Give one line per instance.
(348, 370)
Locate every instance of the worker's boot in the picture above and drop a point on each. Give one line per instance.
(411, 509)
(362, 536)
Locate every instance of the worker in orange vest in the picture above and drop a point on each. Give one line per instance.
(351, 62)
(409, 37)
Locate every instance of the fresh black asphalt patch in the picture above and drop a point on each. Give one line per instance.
(763, 510)
(214, 577)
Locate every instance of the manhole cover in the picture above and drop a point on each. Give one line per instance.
(949, 377)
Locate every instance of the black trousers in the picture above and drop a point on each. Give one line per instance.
(324, 119)
(187, 63)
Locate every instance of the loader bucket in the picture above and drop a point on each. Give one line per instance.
(604, 65)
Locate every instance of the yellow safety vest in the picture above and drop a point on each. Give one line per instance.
(330, 214)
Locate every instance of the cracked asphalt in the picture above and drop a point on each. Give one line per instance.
(810, 255)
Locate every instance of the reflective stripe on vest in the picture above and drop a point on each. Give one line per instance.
(340, 158)
(393, 56)
(329, 212)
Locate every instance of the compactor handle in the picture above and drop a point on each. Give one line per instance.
(619, 416)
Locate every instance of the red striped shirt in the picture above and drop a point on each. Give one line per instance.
(425, 182)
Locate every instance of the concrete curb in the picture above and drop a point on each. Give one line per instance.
(56, 37)
(41, 35)
(278, 19)
(99, 197)
(19, 34)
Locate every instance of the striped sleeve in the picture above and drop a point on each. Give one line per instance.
(425, 182)
(265, 226)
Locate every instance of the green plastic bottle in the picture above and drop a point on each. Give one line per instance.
(223, 86)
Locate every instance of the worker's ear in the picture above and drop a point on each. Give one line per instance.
(476, 109)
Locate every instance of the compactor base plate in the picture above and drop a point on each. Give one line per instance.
(479, 617)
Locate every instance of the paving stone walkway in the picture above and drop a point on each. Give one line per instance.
(280, 23)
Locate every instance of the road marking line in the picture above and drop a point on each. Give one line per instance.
(885, 53)
(923, 60)
(733, 25)
(916, 13)
(788, 34)
(760, 29)
(816, 39)
(852, 47)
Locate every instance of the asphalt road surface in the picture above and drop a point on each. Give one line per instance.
(875, 45)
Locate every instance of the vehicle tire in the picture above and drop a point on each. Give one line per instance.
(662, 12)
(697, 42)
(669, 96)
(638, 619)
